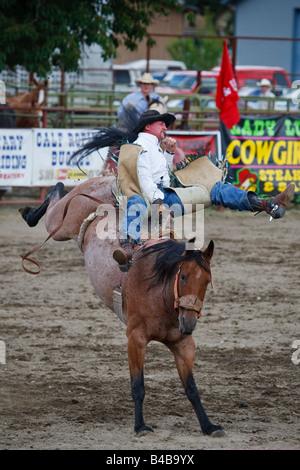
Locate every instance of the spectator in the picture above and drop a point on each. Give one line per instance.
(138, 101)
(265, 86)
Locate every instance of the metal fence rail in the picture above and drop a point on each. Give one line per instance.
(196, 111)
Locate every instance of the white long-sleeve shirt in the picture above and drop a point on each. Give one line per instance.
(138, 101)
(152, 166)
(266, 104)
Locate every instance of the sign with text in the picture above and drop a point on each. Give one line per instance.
(39, 157)
(265, 153)
(190, 142)
(52, 149)
(15, 157)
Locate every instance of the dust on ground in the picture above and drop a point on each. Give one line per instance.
(65, 383)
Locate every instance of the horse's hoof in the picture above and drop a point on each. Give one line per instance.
(219, 433)
(24, 210)
(143, 431)
(26, 213)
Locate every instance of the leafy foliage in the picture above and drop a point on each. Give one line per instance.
(39, 34)
(198, 53)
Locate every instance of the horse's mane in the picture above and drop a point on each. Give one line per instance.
(169, 254)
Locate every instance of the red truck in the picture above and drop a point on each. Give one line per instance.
(192, 81)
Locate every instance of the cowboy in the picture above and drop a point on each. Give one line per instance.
(139, 100)
(265, 91)
(152, 184)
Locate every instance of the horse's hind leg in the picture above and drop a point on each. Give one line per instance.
(136, 357)
(184, 353)
(32, 215)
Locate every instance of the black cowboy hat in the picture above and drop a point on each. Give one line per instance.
(153, 116)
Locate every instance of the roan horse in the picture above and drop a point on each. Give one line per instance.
(163, 291)
(29, 104)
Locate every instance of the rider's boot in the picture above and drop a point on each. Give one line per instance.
(33, 215)
(123, 254)
(274, 206)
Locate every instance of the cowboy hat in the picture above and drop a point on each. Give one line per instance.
(264, 82)
(153, 116)
(147, 78)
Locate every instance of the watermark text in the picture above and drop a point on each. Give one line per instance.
(296, 354)
(2, 352)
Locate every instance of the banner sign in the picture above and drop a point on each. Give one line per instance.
(193, 142)
(265, 153)
(38, 157)
(15, 157)
(52, 149)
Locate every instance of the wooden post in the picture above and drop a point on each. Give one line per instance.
(62, 88)
(233, 42)
(148, 57)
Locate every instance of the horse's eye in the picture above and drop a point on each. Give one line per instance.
(182, 277)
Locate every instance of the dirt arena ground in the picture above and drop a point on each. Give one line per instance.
(65, 381)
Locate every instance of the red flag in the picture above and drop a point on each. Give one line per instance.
(227, 92)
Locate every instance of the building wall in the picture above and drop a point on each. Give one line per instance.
(173, 24)
(265, 18)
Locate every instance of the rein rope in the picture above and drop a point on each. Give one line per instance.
(33, 250)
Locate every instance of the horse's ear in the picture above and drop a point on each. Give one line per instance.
(165, 99)
(190, 245)
(209, 250)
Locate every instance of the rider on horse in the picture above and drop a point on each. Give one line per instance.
(152, 178)
(143, 177)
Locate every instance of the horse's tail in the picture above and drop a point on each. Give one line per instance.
(106, 137)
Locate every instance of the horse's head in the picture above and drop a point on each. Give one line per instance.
(38, 96)
(191, 281)
(185, 275)
(158, 105)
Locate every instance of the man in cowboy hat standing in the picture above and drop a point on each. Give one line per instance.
(152, 181)
(139, 100)
(265, 87)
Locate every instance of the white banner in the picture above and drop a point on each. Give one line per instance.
(15, 157)
(52, 149)
(38, 157)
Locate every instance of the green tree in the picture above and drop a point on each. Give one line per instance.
(198, 53)
(39, 34)
(222, 14)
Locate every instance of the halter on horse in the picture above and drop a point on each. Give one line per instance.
(163, 291)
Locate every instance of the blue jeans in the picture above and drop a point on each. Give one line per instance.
(137, 209)
(226, 195)
(222, 194)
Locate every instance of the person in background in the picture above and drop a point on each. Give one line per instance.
(265, 86)
(138, 101)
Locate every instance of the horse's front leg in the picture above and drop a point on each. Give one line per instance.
(184, 353)
(136, 357)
